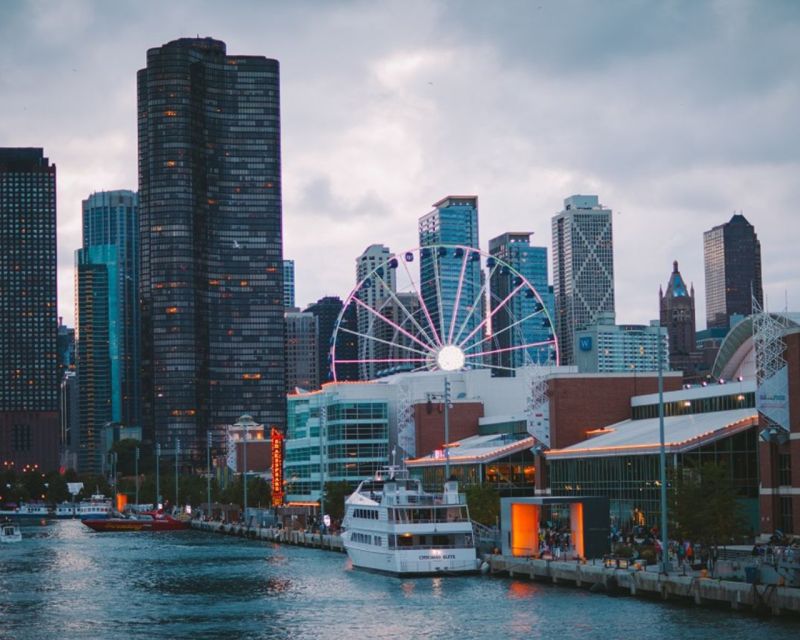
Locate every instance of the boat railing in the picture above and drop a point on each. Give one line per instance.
(427, 547)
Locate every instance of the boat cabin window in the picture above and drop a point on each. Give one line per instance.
(368, 514)
(429, 514)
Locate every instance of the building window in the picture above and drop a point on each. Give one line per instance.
(784, 469)
(785, 514)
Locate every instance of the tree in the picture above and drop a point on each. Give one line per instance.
(484, 504)
(335, 495)
(704, 507)
(126, 457)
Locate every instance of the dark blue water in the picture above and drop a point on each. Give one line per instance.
(65, 581)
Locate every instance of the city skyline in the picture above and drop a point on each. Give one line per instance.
(677, 124)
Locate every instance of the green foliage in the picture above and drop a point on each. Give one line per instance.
(704, 507)
(126, 457)
(484, 504)
(335, 495)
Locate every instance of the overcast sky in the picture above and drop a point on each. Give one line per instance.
(676, 114)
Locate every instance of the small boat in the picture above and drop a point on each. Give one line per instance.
(393, 526)
(29, 510)
(153, 521)
(96, 508)
(9, 532)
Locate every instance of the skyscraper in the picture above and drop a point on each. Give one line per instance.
(288, 284)
(583, 268)
(517, 322)
(732, 256)
(453, 221)
(327, 311)
(211, 242)
(29, 424)
(377, 282)
(676, 308)
(301, 351)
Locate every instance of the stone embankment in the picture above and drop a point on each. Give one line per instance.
(761, 599)
(272, 534)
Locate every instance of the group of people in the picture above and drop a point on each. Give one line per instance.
(554, 542)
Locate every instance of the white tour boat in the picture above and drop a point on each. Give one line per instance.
(10, 532)
(66, 510)
(98, 507)
(393, 526)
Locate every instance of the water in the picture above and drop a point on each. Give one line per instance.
(65, 581)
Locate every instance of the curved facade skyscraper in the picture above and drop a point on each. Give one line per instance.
(211, 247)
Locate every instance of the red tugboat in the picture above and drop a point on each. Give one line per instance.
(152, 521)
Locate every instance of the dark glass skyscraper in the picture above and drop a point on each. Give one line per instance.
(211, 246)
(732, 256)
(522, 319)
(327, 311)
(29, 426)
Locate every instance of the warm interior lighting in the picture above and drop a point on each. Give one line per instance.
(524, 529)
(251, 376)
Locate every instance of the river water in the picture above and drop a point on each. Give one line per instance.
(65, 581)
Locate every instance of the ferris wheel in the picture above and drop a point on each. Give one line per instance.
(441, 308)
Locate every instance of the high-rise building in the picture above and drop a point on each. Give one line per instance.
(732, 256)
(677, 315)
(605, 347)
(301, 351)
(376, 284)
(288, 284)
(69, 420)
(447, 290)
(583, 268)
(520, 321)
(211, 242)
(327, 311)
(29, 391)
(66, 349)
(111, 221)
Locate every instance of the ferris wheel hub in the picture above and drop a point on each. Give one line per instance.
(450, 358)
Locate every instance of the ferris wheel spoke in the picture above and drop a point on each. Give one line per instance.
(392, 324)
(475, 303)
(458, 297)
(387, 342)
(504, 329)
(360, 360)
(437, 283)
(518, 347)
(489, 317)
(422, 303)
(410, 316)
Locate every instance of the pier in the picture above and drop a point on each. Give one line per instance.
(704, 591)
(326, 542)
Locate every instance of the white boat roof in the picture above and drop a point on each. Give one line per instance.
(641, 437)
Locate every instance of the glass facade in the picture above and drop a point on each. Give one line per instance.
(583, 268)
(454, 221)
(331, 439)
(737, 400)
(732, 256)
(376, 284)
(518, 322)
(301, 351)
(632, 482)
(211, 242)
(327, 311)
(28, 314)
(288, 284)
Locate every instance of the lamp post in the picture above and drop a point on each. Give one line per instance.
(177, 453)
(208, 472)
(136, 473)
(446, 429)
(158, 475)
(662, 460)
(244, 470)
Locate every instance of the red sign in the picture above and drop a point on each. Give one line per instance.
(276, 440)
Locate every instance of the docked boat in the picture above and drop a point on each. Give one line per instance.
(30, 510)
(66, 510)
(96, 508)
(154, 521)
(393, 526)
(10, 532)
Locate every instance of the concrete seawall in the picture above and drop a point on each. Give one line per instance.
(761, 599)
(270, 534)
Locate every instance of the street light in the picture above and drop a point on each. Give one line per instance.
(662, 460)
(208, 472)
(177, 453)
(158, 475)
(136, 471)
(244, 470)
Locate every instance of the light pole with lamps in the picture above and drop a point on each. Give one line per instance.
(665, 567)
(136, 473)
(244, 469)
(158, 475)
(208, 473)
(177, 453)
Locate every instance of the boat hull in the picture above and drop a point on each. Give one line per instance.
(414, 563)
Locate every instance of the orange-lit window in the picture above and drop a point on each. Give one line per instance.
(171, 163)
(243, 283)
(251, 376)
(170, 114)
(172, 310)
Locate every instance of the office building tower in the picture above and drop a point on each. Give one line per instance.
(583, 268)
(327, 311)
(211, 243)
(447, 290)
(301, 351)
(288, 284)
(376, 284)
(677, 315)
(29, 424)
(522, 319)
(732, 255)
(69, 420)
(605, 347)
(65, 342)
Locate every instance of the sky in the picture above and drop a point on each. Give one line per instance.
(676, 114)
